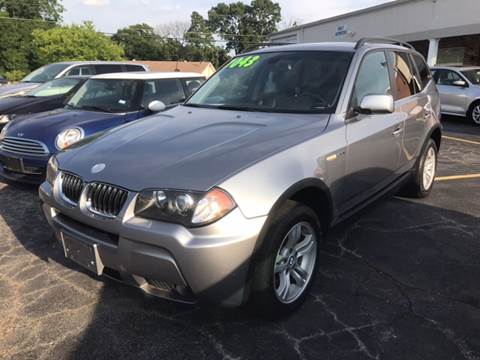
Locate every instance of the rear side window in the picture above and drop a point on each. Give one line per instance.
(424, 75)
(79, 70)
(107, 69)
(373, 78)
(403, 75)
(135, 68)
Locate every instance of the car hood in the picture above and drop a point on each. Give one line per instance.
(188, 148)
(12, 89)
(43, 126)
(11, 104)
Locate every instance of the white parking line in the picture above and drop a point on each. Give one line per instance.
(461, 140)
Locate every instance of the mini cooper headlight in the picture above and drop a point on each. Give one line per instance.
(68, 137)
(188, 208)
(52, 170)
(4, 119)
(3, 133)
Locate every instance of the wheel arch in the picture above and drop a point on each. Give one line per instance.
(436, 135)
(312, 192)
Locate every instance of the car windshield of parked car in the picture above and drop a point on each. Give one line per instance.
(473, 76)
(54, 88)
(45, 73)
(289, 82)
(108, 95)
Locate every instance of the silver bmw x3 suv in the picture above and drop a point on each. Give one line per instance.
(226, 198)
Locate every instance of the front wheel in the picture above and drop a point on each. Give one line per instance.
(474, 113)
(424, 175)
(287, 260)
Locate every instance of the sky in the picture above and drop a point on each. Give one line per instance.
(110, 15)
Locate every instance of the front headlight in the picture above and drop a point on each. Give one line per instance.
(68, 137)
(188, 208)
(3, 133)
(4, 119)
(52, 170)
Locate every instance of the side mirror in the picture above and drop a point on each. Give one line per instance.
(377, 104)
(156, 106)
(461, 83)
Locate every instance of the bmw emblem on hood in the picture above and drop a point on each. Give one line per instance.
(97, 168)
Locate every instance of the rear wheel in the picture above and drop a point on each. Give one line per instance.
(423, 178)
(474, 113)
(287, 261)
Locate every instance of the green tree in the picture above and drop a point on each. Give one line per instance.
(75, 42)
(50, 10)
(18, 18)
(242, 25)
(200, 43)
(142, 43)
(139, 41)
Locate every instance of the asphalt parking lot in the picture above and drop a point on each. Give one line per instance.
(400, 281)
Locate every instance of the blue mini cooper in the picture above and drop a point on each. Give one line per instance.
(101, 103)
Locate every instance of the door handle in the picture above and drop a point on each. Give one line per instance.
(398, 131)
(427, 114)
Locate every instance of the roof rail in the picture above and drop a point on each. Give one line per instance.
(364, 41)
(266, 44)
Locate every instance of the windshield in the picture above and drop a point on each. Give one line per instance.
(109, 95)
(54, 88)
(45, 73)
(473, 76)
(290, 82)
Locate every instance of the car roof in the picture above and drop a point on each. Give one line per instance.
(148, 75)
(327, 46)
(98, 62)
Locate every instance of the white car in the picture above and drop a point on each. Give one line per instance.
(57, 70)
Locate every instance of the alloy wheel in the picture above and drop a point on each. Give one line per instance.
(476, 114)
(429, 168)
(295, 262)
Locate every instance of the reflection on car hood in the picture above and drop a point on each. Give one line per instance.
(12, 89)
(188, 148)
(11, 104)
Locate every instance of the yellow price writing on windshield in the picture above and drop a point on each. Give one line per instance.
(244, 62)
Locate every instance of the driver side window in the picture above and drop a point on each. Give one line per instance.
(372, 79)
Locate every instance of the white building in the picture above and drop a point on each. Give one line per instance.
(444, 31)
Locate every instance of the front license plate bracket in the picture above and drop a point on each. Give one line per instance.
(83, 253)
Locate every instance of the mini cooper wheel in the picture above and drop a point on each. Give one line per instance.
(426, 169)
(286, 262)
(474, 113)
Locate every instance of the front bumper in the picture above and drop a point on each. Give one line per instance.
(34, 168)
(203, 264)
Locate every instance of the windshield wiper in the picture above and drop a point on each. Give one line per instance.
(94, 108)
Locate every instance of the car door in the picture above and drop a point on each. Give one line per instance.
(374, 141)
(453, 97)
(411, 101)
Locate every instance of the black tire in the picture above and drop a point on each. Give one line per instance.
(264, 299)
(416, 188)
(470, 115)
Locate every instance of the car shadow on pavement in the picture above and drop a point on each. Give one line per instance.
(399, 280)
